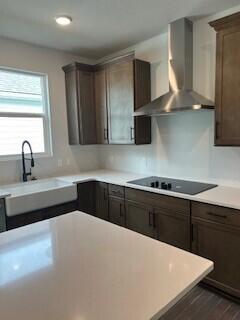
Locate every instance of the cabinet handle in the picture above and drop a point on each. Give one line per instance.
(117, 193)
(121, 210)
(154, 220)
(105, 134)
(217, 215)
(216, 129)
(193, 228)
(132, 133)
(194, 238)
(104, 194)
(150, 217)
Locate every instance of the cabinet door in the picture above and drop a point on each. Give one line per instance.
(2, 216)
(102, 200)
(117, 211)
(227, 107)
(86, 197)
(72, 108)
(219, 243)
(142, 94)
(173, 228)
(120, 87)
(39, 215)
(101, 106)
(86, 105)
(139, 218)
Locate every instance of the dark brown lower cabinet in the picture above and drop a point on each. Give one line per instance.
(93, 198)
(219, 243)
(117, 211)
(173, 228)
(2, 216)
(140, 218)
(86, 197)
(39, 215)
(162, 217)
(102, 200)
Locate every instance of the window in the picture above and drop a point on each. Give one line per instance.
(24, 112)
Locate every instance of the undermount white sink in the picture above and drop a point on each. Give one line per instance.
(39, 194)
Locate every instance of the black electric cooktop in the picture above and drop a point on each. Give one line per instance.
(176, 185)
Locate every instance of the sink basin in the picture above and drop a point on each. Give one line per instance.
(34, 195)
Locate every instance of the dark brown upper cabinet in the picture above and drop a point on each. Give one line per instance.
(128, 88)
(101, 106)
(101, 100)
(79, 79)
(227, 95)
(120, 103)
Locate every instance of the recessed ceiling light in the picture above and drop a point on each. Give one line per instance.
(63, 20)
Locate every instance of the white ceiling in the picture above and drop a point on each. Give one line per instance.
(99, 27)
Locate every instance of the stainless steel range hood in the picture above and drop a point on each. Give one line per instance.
(181, 96)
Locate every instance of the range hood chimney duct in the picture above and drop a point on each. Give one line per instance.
(181, 96)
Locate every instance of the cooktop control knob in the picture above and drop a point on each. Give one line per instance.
(154, 184)
(164, 185)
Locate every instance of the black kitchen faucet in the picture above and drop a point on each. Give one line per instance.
(26, 174)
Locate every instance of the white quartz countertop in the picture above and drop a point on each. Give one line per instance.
(3, 194)
(222, 195)
(78, 267)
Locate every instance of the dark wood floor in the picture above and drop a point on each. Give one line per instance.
(202, 304)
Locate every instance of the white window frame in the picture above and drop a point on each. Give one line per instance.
(46, 116)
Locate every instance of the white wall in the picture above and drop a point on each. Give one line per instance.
(19, 55)
(182, 144)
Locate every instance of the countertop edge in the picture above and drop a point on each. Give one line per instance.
(203, 197)
(222, 196)
(183, 293)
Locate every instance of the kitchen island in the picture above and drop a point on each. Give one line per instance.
(78, 267)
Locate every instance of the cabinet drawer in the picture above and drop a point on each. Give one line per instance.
(116, 191)
(158, 200)
(216, 213)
